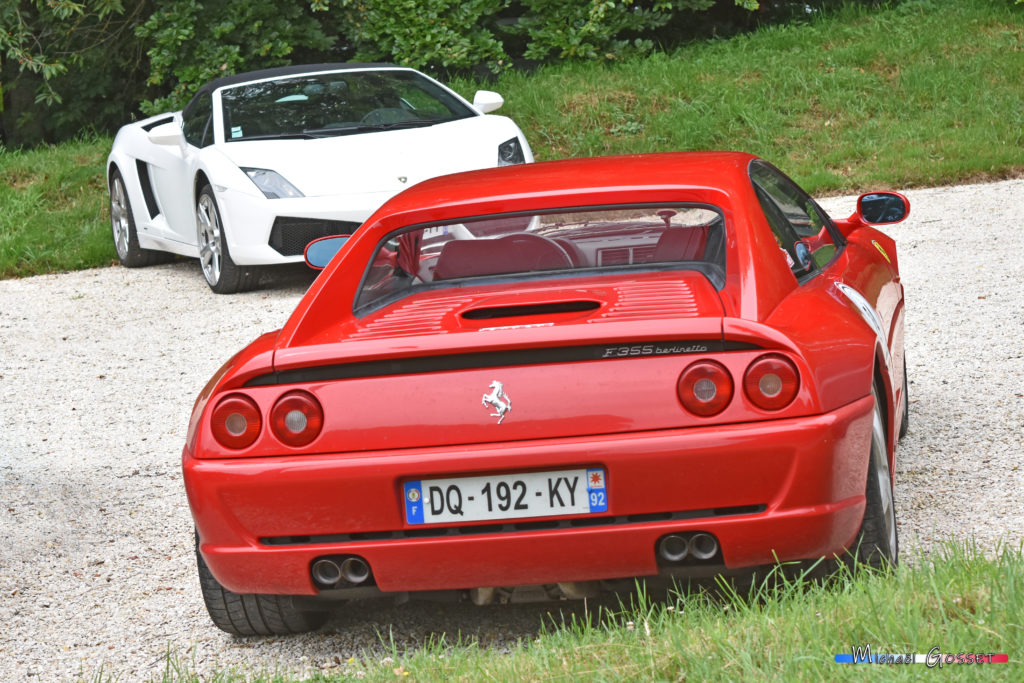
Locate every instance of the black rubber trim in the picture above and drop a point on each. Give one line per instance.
(147, 188)
(494, 359)
(511, 527)
(159, 122)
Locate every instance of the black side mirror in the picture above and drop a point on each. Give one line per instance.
(879, 208)
(320, 252)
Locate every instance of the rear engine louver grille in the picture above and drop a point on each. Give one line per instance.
(417, 317)
(289, 236)
(659, 300)
(651, 301)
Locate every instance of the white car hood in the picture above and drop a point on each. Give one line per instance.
(383, 161)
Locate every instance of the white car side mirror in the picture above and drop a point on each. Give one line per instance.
(486, 101)
(166, 134)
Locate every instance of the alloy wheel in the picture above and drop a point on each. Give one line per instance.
(883, 481)
(119, 217)
(210, 236)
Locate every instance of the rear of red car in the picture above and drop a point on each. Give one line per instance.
(573, 405)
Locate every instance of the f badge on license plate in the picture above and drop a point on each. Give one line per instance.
(505, 496)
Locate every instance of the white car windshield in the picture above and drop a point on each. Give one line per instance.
(555, 244)
(340, 103)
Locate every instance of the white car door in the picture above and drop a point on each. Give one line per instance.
(172, 181)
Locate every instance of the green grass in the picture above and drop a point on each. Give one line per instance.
(959, 601)
(927, 92)
(53, 208)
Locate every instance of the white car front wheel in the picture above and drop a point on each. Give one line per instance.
(221, 273)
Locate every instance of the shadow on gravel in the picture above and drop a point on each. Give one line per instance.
(283, 279)
(291, 276)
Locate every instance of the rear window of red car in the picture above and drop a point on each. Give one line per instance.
(564, 243)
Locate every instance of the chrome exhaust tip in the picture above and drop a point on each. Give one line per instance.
(673, 548)
(703, 546)
(326, 572)
(354, 570)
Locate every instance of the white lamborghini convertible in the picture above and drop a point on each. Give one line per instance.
(262, 163)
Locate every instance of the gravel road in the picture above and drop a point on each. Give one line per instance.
(99, 369)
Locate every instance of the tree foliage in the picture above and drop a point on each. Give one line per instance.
(48, 37)
(191, 42)
(103, 61)
(68, 65)
(446, 34)
(600, 29)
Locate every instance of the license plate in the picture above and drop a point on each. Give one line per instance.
(505, 496)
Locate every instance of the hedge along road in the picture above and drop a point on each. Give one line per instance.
(99, 369)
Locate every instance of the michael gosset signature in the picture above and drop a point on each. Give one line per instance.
(935, 657)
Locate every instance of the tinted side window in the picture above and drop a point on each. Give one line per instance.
(196, 122)
(795, 218)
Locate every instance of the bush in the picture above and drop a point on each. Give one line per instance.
(191, 42)
(68, 66)
(92, 54)
(450, 34)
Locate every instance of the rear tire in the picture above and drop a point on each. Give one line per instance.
(253, 615)
(905, 425)
(220, 271)
(878, 544)
(122, 226)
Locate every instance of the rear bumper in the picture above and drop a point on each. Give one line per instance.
(805, 475)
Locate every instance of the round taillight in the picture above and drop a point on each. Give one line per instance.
(705, 388)
(297, 418)
(771, 382)
(235, 421)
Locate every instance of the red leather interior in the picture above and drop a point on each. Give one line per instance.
(510, 254)
(682, 244)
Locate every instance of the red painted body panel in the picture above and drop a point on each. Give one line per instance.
(808, 472)
(404, 414)
(611, 396)
(432, 322)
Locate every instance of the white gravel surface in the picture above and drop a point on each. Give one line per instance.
(99, 369)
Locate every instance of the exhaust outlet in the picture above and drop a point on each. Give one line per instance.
(326, 572)
(673, 548)
(703, 546)
(354, 570)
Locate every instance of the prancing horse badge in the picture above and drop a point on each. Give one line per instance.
(498, 400)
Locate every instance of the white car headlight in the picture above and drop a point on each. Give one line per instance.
(272, 184)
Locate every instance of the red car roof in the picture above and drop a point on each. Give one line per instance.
(582, 178)
(716, 178)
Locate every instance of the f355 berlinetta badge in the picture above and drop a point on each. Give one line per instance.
(498, 400)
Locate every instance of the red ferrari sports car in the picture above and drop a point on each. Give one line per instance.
(541, 380)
